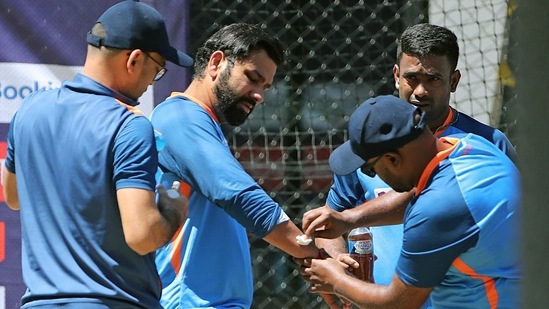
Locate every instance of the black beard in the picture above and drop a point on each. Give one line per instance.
(227, 102)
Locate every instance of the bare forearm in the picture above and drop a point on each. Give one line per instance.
(149, 225)
(160, 231)
(361, 293)
(387, 209)
(283, 236)
(396, 295)
(333, 247)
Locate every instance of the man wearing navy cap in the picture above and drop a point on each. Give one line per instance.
(426, 74)
(80, 166)
(460, 241)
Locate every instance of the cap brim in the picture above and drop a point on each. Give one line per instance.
(343, 161)
(177, 57)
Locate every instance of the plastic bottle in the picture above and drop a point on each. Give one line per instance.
(160, 141)
(361, 249)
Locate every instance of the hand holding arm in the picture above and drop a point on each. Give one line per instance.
(283, 236)
(331, 276)
(387, 209)
(148, 225)
(173, 206)
(324, 222)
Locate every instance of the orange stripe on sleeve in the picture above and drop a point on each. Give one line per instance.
(184, 189)
(177, 244)
(489, 284)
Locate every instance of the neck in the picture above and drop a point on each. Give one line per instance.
(103, 70)
(442, 122)
(424, 149)
(197, 90)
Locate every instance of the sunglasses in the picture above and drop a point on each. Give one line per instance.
(368, 169)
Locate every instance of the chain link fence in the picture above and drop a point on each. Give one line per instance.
(339, 54)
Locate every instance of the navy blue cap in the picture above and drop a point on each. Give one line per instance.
(379, 125)
(134, 25)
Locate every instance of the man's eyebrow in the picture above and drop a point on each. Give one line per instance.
(430, 74)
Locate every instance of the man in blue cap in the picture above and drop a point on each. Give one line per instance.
(80, 166)
(426, 74)
(460, 238)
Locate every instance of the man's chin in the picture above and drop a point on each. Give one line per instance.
(236, 121)
(400, 189)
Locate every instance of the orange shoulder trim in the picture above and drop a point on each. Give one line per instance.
(130, 108)
(204, 106)
(434, 163)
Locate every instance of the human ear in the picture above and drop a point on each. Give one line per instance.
(394, 159)
(454, 80)
(396, 76)
(133, 58)
(214, 65)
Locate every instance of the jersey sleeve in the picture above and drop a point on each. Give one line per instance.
(467, 124)
(135, 157)
(346, 192)
(433, 238)
(197, 152)
(502, 142)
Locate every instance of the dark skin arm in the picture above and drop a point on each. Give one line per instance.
(387, 209)
(283, 236)
(331, 276)
(328, 226)
(148, 224)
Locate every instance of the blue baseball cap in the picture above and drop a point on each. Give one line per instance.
(134, 25)
(379, 125)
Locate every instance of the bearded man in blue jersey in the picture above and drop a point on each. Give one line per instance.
(208, 263)
(425, 75)
(460, 243)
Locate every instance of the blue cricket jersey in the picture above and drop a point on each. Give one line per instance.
(354, 189)
(208, 264)
(461, 230)
(71, 149)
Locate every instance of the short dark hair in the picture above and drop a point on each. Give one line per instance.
(429, 40)
(238, 41)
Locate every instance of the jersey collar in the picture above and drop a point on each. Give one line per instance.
(428, 171)
(84, 84)
(450, 120)
(195, 100)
